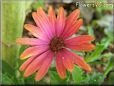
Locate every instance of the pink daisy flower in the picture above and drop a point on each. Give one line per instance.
(54, 41)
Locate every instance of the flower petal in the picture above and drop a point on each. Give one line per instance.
(78, 60)
(60, 66)
(60, 22)
(36, 31)
(42, 24)
(32, 51)
(36, 64)
(73, 29)
(33, 29)
(52, 18)
(71, 19)
(26, 63)
(82, 47)
(30, 41)
(45, 20)
(43, 15)
(44, 67)
(67, 60)
(79, 40)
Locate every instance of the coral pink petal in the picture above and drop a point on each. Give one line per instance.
(32, 51)
(78, 60)
(43, 15)
(60, 22)
(71, 19)
(60, 66)
(46, 22)
(73, 29)
(52, 18)
(42, 24)
(36, 64)
(35, 31)
(30, 41)
(67, 60)
(44, 67)
(26, 63)
(82, 47)
(79, 40)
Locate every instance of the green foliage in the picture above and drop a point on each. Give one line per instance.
(6, 80)
(93, 78)
(96, 54)
(55, 78)
(110, 79)
(109, 67)
(90, 30)
(8, 68)
(109, 32)
(77, 75)
(37, 4)
(13, 17)
(22, 48)
(8, 74)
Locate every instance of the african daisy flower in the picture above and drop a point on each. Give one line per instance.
(54, 41)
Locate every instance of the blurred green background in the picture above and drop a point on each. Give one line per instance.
(98, 21)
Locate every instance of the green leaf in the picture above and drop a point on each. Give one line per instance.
(110, 79)
(109, 67)
(105, 41)
(90, 30)
(13, 16)
(108, 55)
(79, 53)
(96, 54)
(77, 75)
(30, 80)
(55, 79)
(22, 48)
(37, 4)
(9, 74)
(93, 78)
(109, 32)
(7, 80)
(6, 68)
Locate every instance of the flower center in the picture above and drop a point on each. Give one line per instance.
(56, 44)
